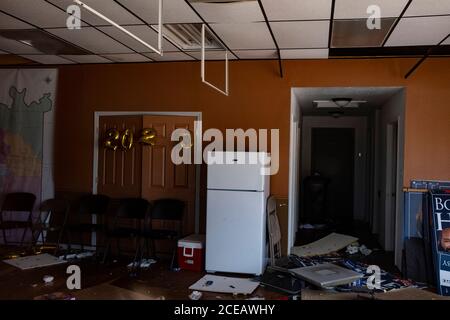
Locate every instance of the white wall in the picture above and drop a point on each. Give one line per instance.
(360, 176)
(391, 112)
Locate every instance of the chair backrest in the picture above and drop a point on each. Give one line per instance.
(19, 201)
(133, 208)
(273, 227)
(167, 209)
(53, 208)
(93, 204)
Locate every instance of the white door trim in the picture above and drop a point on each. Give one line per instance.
(198, 137)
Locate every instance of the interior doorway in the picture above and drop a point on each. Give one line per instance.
(348, 143)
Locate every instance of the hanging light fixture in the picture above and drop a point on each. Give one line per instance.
(342, 102)
(101, 16)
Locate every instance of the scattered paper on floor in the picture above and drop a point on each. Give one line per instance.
(221, 284)
(331, 243)
(34, 261)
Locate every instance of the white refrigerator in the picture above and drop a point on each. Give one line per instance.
(237, 193)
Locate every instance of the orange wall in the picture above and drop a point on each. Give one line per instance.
(259, 98)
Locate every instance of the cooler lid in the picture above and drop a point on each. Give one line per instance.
(195, 241)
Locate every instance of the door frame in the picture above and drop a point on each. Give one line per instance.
(392, 212)
(198, 147)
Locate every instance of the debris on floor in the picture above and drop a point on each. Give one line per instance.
(195, 295)
(327, 275)
(73, 256)
(144, 263)
(34, 261)
(354, 248)
(309, 226)
(387, 283)
(331, 243)
(221, 284)
(281, 280)
(364, 250)
(256, 298)
(48, 279)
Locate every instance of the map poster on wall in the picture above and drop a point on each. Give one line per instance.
(440, 217)
(27, 103)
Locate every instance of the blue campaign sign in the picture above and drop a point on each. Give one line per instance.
(440, 216)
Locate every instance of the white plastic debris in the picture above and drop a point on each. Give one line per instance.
(256, 298)
(144, 263)
(364, 250)
(195, 295)
(48, 279)
(353, 248)
(81, 255)
(67, 257)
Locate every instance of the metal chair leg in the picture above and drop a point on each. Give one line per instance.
(23, 237)
(136, 264)
(5, 239)
(58, 242)
(105, 255)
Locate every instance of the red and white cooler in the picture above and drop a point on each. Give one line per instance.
(191, 253)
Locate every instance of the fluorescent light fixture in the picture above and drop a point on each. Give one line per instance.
(338, 103)
(203, 66)
(98, 14)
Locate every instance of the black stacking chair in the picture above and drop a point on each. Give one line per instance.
(15, 203)
(128, 222)
(90, 206)
(52, 221)
(166, 212)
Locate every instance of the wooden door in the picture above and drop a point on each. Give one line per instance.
(161, 178)
(120, 172)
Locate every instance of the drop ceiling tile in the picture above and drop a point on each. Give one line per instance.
(108, 8)
(428, 8)
(245, 35)
(354, 33)
(304, 54)
(212, 55)
(144, 32)
(230, 12)
(419, 31)
(37, 12)
(169, 56)
(7, 22)
(301, 34)
(256, 54)
(297, 10)
(16, 47)
(351, 9)
(47, 59)
(174, 11)
(131, 57)
(91, 39)
(87, 58)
